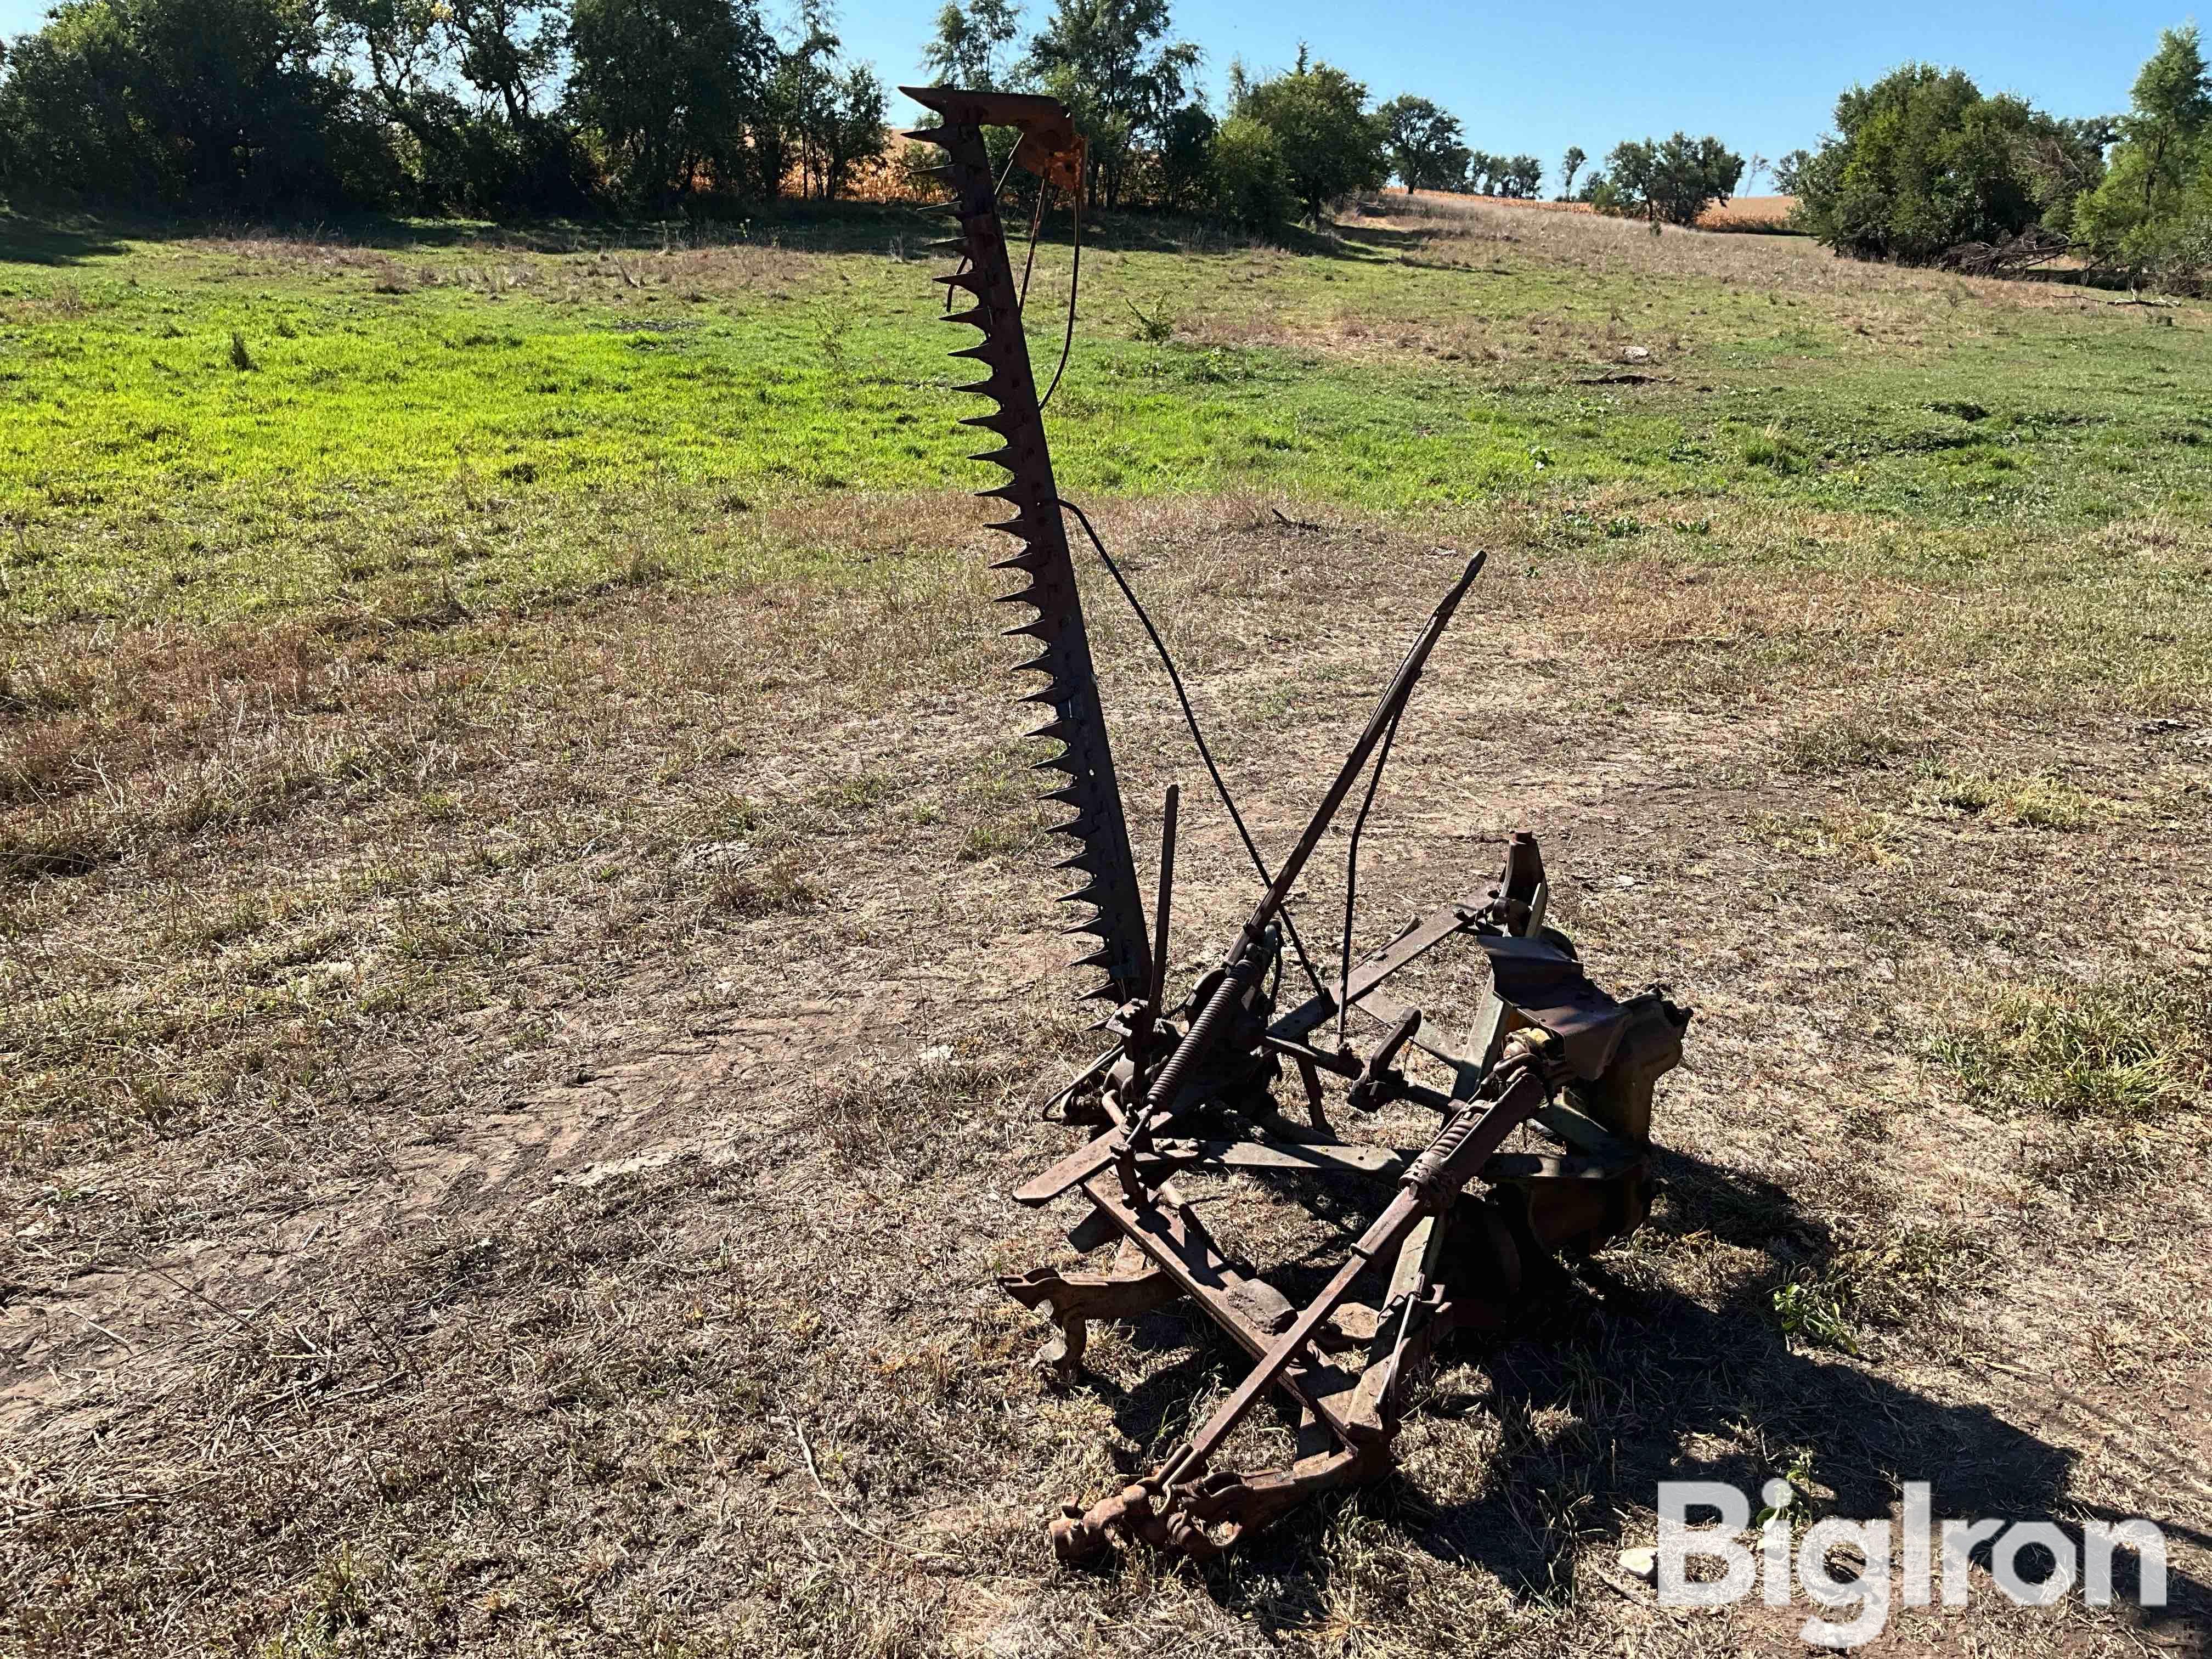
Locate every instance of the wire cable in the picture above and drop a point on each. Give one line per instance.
(1028, 262)
(1067, 339)
(1197, 735)
(1352, 871)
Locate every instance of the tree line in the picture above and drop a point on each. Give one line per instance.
(1287, 145)
(497, 106)
(1923, 168)
(476, 106)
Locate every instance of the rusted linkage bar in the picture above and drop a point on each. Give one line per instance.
(1425, 1189)
(1207, 1027)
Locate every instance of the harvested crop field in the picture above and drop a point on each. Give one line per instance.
(528, 973)
(1769, 212)
(1748, 211)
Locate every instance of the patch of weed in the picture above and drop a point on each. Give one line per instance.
(1847, 743)
(1845, 832)
(1810, 1312)
(989, 840)
(2035, 801)
(1778, 450)
(775, 889)
(2131, 1048)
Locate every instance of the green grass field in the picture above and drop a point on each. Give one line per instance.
(527, 972)
(176, 409)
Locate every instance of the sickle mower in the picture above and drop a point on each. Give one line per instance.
(1461, 1227)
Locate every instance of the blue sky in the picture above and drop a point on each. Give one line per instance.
(1538, 78)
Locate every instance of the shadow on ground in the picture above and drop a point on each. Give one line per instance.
(63, 240)
(38, 242)
(1651, 1372)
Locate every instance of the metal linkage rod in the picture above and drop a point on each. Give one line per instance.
(1197, 731)
(1426, 1188)
(1164, 904)
(1210, 1019)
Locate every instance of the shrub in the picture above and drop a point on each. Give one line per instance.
(1922, 162)
(1329, 144)
(1251, 184)
(1674, 179)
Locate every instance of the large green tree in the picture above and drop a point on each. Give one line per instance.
(1520, 177)
(474, 84)
(1183, 166)
(1330, 142)
(850, 133)
(2151, 215)
(1571, 164)
(671, 87)
(1110, 63)
(1427, 147)
(206, 103)
(68, 109)
(1921, 162)
(819, 118)
(1251, 184)
(968, 49)
(1674, 179)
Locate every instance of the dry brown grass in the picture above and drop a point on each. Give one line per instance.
(584, 262)
(496, 1081)
(1749, 213)
(1523, 292)
(1603, 246)
(1453, 202)
(1737, 212)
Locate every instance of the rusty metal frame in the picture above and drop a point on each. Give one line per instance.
(1459, 1221)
